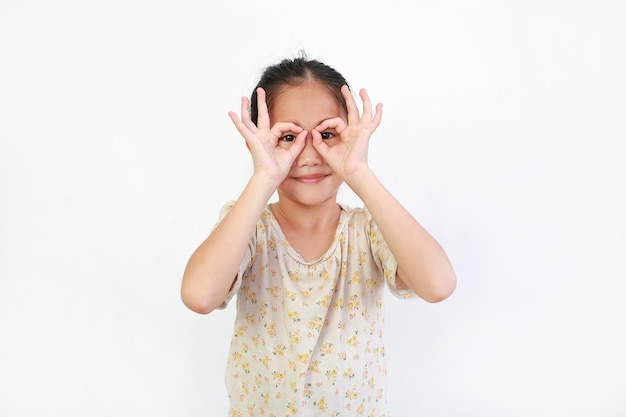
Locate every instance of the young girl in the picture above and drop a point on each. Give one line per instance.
(309, 273)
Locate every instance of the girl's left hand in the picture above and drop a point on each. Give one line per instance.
(349, 156)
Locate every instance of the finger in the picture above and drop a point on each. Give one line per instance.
(283, 127)
(263, 119)
(298, 144)
(353, 111)
(378, 116)
(241, 127)
(336, 123)
(367, 105)
(319, 144)
(245, 113)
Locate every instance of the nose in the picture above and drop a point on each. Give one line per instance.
(309, 156)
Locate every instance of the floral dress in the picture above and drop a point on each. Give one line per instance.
(308, 335)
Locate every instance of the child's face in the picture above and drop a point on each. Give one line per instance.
(310, 181)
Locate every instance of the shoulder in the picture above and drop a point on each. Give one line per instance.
(356, 215)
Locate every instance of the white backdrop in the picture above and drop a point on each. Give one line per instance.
(504, 133)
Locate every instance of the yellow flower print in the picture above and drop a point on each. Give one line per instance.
(316, 323)
(307, 390)
(263, 310)
(291, 295)
(353, 341)
(259, 248)
(294, 316)
(321, 404)
(360, 409)
(356, 278)
(251, 297)
(314, 367)
(339, 303)
(235, 413)
(325, 301)
(348, 373)
(354, 303)
(266, 398)
(278, 377)
(325, 275)
(270, 329)
(294, 337)
(279, 349)
(331, 374)
(292, 408)
(241, 330)
(250, 319)
(246, 367)
(327, 349)
(351, 394)
(274, 291)
(265, 360)
(304, 358)
(294, 276)
(362, 258)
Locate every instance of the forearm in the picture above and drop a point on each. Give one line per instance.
(213, 266)
(422, 263)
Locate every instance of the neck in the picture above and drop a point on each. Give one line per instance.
(302, 216)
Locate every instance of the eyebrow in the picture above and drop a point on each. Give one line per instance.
(318, 123)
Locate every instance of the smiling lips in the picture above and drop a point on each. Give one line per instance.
(310, 179)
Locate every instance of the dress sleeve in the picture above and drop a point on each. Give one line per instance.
(385, 261)
(246, 261)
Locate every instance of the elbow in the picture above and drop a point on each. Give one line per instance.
(442, 289)
(200, 308)
(197, 302)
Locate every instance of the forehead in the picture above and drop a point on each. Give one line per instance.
(307, 102)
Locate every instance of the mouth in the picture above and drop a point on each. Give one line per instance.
(311, 179)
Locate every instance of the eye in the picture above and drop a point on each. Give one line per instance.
(327, 135)
(288, 138)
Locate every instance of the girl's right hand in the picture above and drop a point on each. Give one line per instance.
(269, 158)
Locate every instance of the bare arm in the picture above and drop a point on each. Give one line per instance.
(423, 266)
(213, 266)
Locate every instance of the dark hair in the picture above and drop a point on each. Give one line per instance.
(292, 72)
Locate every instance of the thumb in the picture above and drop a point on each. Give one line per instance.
(319, 144)
(298, 144)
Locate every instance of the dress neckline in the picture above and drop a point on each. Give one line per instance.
(293, 253)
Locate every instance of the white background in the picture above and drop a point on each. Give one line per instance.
(504, 133)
